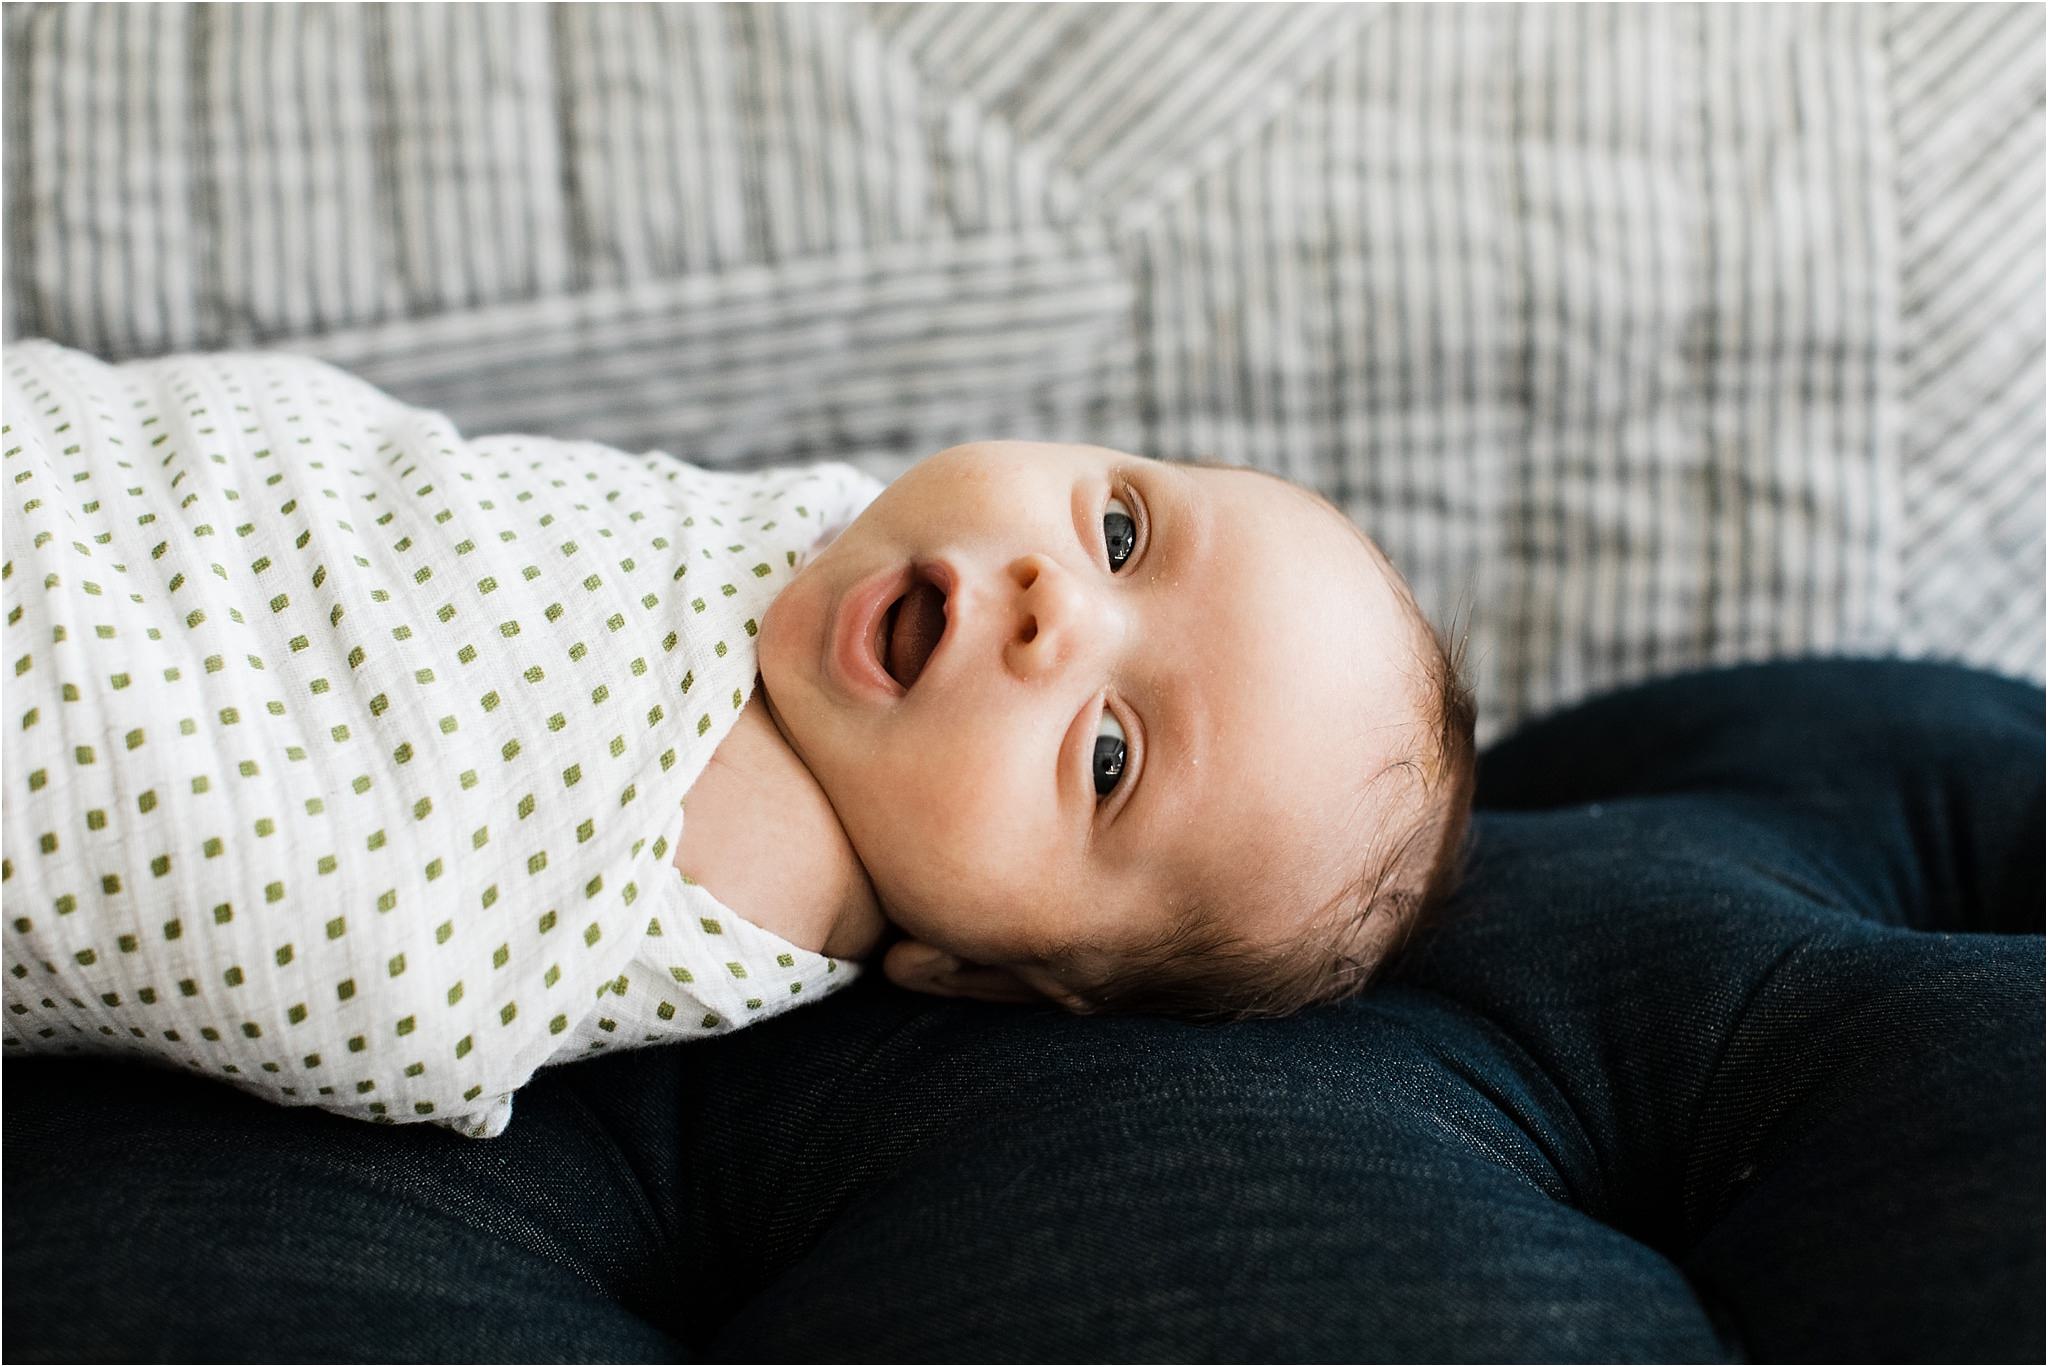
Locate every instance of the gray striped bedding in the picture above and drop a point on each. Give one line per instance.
(1642, 336)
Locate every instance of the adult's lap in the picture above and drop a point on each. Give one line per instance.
(1654, 1089)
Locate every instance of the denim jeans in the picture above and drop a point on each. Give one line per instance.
(1730, 1047)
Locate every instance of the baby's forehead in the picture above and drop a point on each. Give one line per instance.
(1314, 504)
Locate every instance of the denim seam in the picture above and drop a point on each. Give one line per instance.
(1578, 1200)
(1493, 1098)
(1478, 1083)
(804, 1153)
(649, 1217)
(412, 1191)
(1741, 1016)
(1722, 1312)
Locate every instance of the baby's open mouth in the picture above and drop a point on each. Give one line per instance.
(910, 629)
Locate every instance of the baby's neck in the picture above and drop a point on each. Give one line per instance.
(760, 835)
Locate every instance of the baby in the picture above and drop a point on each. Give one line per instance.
(348, 753)
(1084, 726)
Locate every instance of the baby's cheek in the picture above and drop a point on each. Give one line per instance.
(920, 861)
(968, 921)
(931, 794)
(940, 873)
(774, 644)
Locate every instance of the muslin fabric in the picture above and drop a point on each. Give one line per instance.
(346, 756)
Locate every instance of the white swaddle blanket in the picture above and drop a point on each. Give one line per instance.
(345, 757)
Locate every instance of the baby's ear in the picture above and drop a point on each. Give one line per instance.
(927, 968)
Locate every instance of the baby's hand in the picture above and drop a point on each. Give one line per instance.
(760, 836)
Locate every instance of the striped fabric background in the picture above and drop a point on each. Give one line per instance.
(1642, 336)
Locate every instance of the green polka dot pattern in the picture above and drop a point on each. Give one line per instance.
(345, 756)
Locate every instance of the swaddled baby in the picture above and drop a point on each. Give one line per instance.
(371, 767)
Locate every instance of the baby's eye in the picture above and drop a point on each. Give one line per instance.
(1119, 533)
(1109, 754)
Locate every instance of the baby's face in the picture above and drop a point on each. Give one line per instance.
(1149, 681)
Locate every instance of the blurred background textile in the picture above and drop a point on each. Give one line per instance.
(1643, 337)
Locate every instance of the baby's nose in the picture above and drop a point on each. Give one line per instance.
(1059, 621)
